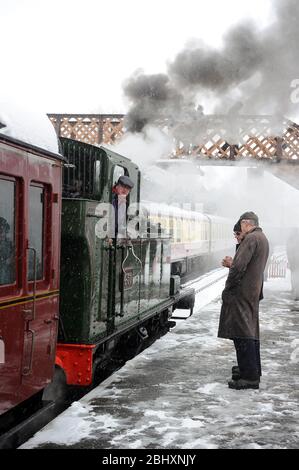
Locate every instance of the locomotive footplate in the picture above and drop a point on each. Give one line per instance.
(184, 299)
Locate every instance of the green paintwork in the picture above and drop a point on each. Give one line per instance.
(94, 300)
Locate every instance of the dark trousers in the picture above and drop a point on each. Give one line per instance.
(248, 358)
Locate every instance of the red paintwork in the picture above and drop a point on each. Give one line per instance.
(21, 378)
(76, 360)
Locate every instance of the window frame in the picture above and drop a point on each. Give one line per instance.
(44, 282)
(126, 173)
(14, 287)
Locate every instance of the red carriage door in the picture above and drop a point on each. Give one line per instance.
(11, 318)
(41, 312)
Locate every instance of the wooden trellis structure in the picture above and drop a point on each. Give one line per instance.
(245, 138)
(255, 137)
(222, 139)
(89, 128)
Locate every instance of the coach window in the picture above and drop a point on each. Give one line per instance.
(7, 232)
(179, 229)
(36, 233)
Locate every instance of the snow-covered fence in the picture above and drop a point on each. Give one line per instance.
(277, 266)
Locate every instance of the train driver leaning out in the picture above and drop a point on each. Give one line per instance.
(121, 190)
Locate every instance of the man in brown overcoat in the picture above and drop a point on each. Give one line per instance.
(239, 317)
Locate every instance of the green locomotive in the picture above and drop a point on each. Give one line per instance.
(115, 299)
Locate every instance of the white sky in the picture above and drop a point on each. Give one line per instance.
(73, 56)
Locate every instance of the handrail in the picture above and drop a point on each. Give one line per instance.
(34, 279)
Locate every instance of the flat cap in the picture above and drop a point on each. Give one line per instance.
(125, 181)
(251, 216)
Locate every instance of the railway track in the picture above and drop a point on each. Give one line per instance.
(25, 429)
(206, 280)
(201, 286)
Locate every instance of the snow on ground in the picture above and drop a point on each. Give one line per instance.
(174, 395)
(29, 126)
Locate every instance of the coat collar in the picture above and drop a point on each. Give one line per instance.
(254, 229)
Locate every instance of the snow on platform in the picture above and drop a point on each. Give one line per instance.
(174, 395)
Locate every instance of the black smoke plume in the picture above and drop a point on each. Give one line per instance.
(251, 74)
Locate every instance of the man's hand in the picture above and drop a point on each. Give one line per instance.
(227, 261)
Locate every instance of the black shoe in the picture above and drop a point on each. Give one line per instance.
(236, 373)
(243, 384)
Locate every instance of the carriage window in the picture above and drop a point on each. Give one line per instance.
(36, 231)
(7, 232)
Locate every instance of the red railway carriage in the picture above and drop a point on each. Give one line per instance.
(30, 210)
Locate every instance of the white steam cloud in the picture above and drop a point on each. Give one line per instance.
(254, 73)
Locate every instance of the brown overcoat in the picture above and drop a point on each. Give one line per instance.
(239, 317)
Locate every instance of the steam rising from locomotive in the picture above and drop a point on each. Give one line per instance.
(252, 73)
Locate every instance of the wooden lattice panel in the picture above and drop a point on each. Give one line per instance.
(113, 130)
(291, 141)
(258, 147)
(223, 137)
(255, 137)
(83, 129)
(93, 129)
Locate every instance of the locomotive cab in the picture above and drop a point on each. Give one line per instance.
(107, 289)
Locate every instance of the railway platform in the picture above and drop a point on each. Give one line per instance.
(174, 395)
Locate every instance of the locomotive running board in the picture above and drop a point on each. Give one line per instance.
(185, 301)
(182, 318)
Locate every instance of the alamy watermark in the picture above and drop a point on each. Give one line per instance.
(145, 221)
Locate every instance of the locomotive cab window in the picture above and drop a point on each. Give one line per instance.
(7, 232)
(83, 171)
(97, 174)
(117, 172)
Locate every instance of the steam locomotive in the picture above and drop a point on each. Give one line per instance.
(70, 302)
